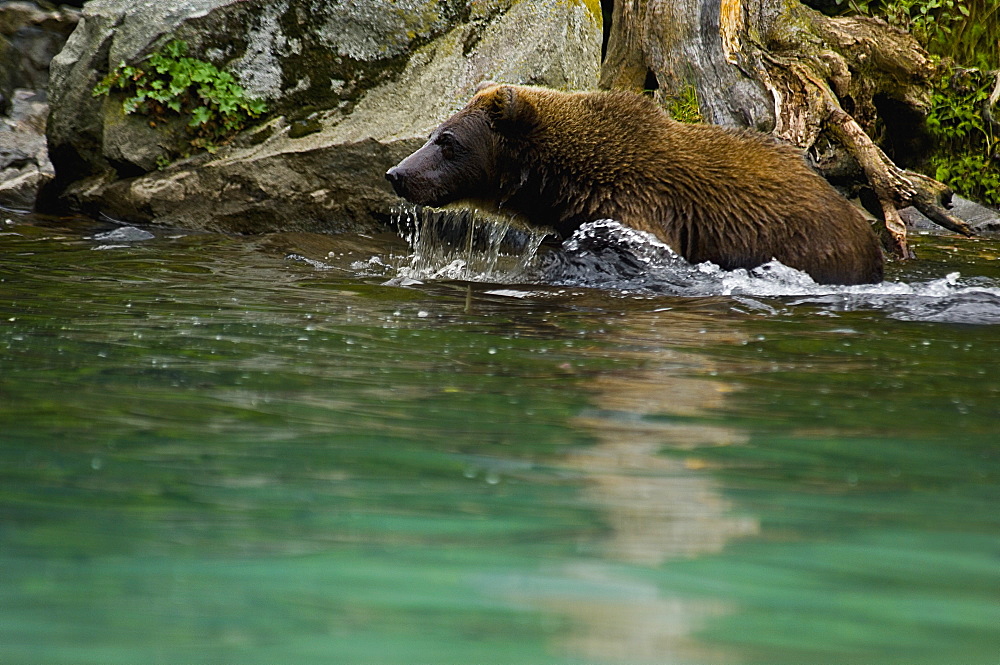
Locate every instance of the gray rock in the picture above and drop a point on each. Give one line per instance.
(19, 187)
(22, 133)
(982, 219)
(24, 161)
(124, 234)
(29, 37)
(354, 87)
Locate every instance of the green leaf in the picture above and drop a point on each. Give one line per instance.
(180, 82)
(170, 82)
(200, 116)
(205, 73)
(256, 106)
(176, 48)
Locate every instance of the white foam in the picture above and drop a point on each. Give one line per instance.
(662, 271)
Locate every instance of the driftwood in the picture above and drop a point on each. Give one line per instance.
(776, 65)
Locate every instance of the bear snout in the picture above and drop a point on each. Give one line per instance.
(404, 184)
(395, 179)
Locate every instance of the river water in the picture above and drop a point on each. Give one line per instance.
(307, 449)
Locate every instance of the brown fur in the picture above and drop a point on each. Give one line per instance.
(736, 198)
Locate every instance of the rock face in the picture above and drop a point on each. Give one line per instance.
(29, 37)
(352, 87)
(24, 161)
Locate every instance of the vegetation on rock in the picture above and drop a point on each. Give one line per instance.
(168, 83)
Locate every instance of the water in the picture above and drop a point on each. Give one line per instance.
(465, 243)
(301, 449)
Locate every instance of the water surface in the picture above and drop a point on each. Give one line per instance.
(302, 449)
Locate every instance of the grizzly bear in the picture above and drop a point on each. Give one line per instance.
(734, 197)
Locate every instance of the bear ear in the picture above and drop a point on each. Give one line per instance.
(508, 108)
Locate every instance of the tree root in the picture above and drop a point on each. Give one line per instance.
(894, 187)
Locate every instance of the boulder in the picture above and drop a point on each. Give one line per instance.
(30, 35)
(24, 161)
(352, 87)
(982, 219)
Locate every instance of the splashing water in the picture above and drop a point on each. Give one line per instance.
(607, 254)
(466, 243)
(473, 245)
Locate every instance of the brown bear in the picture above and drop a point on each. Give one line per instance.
(736, 198)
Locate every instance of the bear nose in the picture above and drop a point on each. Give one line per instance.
(396, 179)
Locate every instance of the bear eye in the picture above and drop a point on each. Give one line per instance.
(446, 141)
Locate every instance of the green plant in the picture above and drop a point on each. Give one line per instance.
(684, 106)
(168, 82)
(965, 153)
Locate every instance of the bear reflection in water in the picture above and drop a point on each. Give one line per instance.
(736, 198)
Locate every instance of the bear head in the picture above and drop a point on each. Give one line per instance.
(460, 159)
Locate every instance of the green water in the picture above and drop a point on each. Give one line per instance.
(210, 453)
